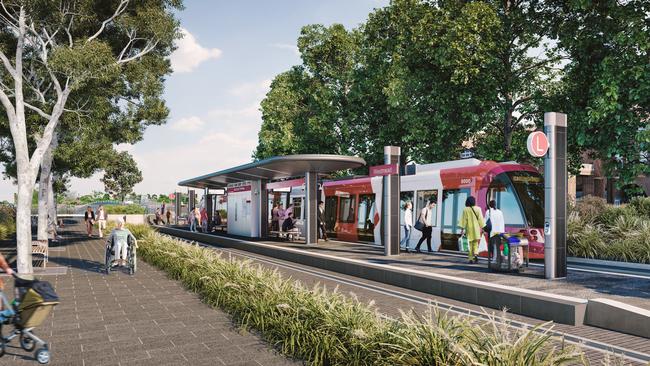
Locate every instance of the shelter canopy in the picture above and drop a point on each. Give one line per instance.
(278, 167)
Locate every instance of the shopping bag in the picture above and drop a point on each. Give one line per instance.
(483, 244)
(463, 244)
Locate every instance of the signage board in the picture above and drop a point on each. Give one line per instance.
(172, 196)
(239, 189)
(537, 144)
(382, 170)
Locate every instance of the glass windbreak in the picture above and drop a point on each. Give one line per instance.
(530, 189)
(346, 212)
(403, 199)
(502, 191)
(423, 198)
(365, 217)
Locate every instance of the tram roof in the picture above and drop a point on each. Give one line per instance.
(278, 167)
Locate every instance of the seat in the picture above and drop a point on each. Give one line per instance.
(40, 247)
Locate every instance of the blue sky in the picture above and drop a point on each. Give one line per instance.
(223, 67)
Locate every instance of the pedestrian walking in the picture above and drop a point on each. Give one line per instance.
(162, 213)
(425, 219)
(204, 220)
(495, 222)
(191, 218)
(321, 221)
(408, 226)
(158, 218)
(471, 224)
(101, 220)
(169, 217)
(197, 218)
(89, 219)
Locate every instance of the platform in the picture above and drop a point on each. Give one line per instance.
(565, 301)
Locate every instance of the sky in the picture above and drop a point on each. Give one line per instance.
(223, 67)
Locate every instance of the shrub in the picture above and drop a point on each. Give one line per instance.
(641, 206)
(326, 328)
(125, 209)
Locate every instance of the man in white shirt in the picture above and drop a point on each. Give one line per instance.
(497, 222)
(101, 220)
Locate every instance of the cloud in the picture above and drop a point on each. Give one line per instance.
(190, 54)
(256, 89)
(286, 46)
(192, 123)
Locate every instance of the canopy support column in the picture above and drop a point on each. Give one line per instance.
(264, 210)
(391, 210)
(311, 207)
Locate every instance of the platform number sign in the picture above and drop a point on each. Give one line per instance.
(537, 144)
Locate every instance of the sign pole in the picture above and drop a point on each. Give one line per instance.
(390, 199)
(555, 193)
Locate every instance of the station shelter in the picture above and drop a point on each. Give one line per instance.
(251, 189)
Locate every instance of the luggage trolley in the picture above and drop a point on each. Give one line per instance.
(505, 245)
(131, 256)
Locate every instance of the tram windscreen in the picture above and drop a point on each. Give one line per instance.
(530, 190)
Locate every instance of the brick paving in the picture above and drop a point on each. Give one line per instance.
(145, 319)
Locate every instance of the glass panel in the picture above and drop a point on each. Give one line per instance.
(423, 198)
(331, 204)
(346, 213)
(403, 199)
(366, 216)
(530, 189)
(448, 197)
(297, 207)
(501, 190)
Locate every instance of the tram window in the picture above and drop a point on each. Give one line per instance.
(530, 190)
(453, 202)
(366, 213)
(502, 191)
(423, 198)
(403, 198)
(331, 204)
(297, 208)
(346, 212)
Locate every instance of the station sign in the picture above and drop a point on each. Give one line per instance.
(382, 170)
(239, 189)
(286, 184)
(537, 144)
(172, 196)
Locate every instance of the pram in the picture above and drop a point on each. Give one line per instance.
(33, 302)
(131, 256)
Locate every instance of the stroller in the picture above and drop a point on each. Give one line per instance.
(131, 256)
(33, 302)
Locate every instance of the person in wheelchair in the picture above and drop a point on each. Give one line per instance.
(120, 237)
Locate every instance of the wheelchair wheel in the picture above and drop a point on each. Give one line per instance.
(107, 261)
(132, 261)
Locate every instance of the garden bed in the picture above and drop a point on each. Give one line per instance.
(328, 328)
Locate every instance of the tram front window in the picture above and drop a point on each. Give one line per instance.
(502, 191)
(530, 190)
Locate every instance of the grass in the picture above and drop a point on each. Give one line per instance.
(325, 327)
(601, 231)
(125, 209)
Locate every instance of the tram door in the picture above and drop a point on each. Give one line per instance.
(422, 199)
(366, 218)
(331, 206)
(453, 202)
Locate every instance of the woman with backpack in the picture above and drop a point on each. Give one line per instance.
(471, 224)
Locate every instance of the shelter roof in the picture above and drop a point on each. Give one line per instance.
(275, 168)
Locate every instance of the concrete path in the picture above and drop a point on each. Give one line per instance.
(145, 319)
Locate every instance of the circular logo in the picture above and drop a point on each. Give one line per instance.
(537, 144)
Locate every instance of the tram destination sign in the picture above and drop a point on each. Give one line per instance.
(382, 170)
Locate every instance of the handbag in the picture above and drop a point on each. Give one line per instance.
(488, 224)
(419, 225)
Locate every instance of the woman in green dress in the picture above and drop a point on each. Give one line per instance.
(471, 224)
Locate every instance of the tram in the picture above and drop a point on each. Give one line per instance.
(352, 205)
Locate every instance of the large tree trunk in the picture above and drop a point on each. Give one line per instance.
(24, 225)
(51, 204)
(45, 185)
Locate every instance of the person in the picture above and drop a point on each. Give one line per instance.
(169, 217)
(204, 220)
(192, 220)
(408, 226)
(101, 220)
(158, 218)
(162, 213)
(275, 217)
(289, 225)
(281, 215)
(321, 221)
(89, 219)
(471, 224)
(120, 239)
(427, 228)
(498, 227)
(197, 218)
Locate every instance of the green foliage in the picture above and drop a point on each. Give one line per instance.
(325, 327)
(7, 221)
(121, 174)
(125, 209)
(602, 231)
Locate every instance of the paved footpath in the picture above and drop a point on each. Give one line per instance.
(145, 319)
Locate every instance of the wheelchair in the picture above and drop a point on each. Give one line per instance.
(131, 257)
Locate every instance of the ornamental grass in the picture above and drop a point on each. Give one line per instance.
(325, 327)
(601, 231)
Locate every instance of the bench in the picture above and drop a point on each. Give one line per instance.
(290, 236)
(221, 227)
(40, 247)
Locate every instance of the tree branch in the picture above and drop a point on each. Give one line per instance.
(7, 64)
(120, 9)
(37, 110)
(148, 48)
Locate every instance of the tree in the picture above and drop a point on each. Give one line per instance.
(121, 174)
(58, 48)
(605, 89)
